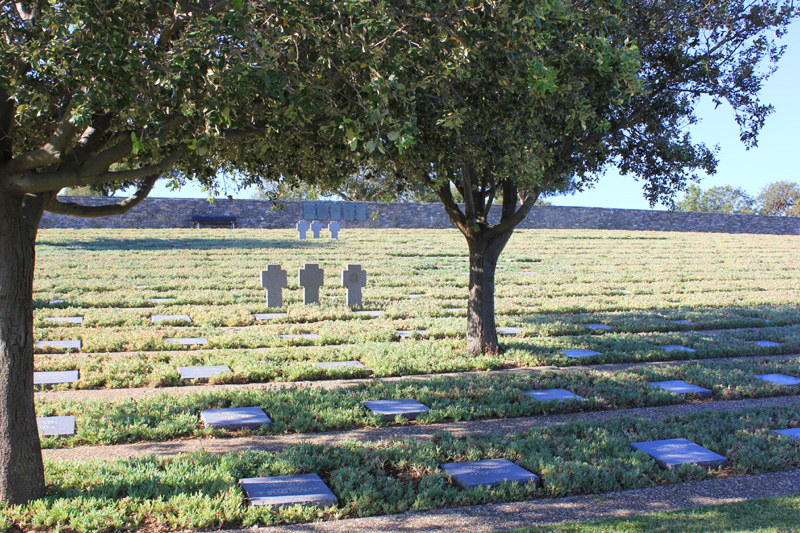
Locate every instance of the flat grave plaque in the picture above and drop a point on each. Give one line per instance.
(186, 341)
(547, 395)
(161, 300)
(58, 302)
(597, 326)
(202, 372)
(176, 318)
(373, 314)
(793, 432)
(235, 418)
(681, 387)
(55, 426)
(339, 364)
(298, 336)
(408, 333)
(625, 292)
(488, 473)
(509, 330)
(682, 322)
(579, 353)
(406, 408)
(779, 379)
(268, 316)
(764, 344)
(456, 309)
(54, 378)
(64, 345)
(415, 296)
(279, 491)
(673, 347)
(65, 319)
(672, 453)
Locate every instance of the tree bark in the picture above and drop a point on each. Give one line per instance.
(21, 469)
(483, 255)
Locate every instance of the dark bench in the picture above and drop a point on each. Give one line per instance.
(213, 222)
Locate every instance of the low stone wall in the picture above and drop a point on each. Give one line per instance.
(178, 213)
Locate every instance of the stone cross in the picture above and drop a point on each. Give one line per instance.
(333, 227)
(354, 278)
(315, 227)
(274, 279)
(302, 228)
(312, 277)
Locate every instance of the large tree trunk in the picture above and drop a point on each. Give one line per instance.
(483, 256)
(21, 470)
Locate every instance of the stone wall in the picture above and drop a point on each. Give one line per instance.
(178, 212)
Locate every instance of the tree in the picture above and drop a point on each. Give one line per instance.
(720, 199)
(779, 198)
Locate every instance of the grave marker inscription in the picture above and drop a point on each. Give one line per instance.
(55, 426)
(279, 491)
(672, 453)
(488, 473)
(233, 418)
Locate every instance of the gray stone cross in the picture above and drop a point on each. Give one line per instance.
(315, 227)
(333, 227)
(302, 228)
(354, 278)
(312, 277)
(274, 279)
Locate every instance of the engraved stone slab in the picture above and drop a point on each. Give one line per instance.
(309, 211)
(408, 333)
(764, 344)
(235, 418)
(779, 379)
(65, 319)
(187, 341)
(509, 330)
(580, 352)
(202, 372)
(673, 347)
(373, 314)
(297, 337)
(323, 212)
(361, 211)
(53, 378)
(793, 432)
(625, 292)
(268, 316)
(406, 408)
(334, 227)
(311, 277)
(597, 326)
(348, 211)
(681, 387)
(176, 318)
(302, 228)
(336, 211)
(58, 302)
(64, 345)
(274, 280)
(339, 364)
(415, 296)
(682, 322)
(279, 491)
(354, 278)
(161, 300)
(456, 309)
(488, 473)
(553, 394)
(672, 453)
(316, 226)
(55, 426)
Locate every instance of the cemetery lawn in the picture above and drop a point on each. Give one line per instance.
(624, 295)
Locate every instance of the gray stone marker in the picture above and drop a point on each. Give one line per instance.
(764, 344)
(55, 426)
(235, 418)
(373, 314)
(678, 347)
(302, 228)
(488, 473)
(316, 226)
(298, 336)
(682, 322)
(597, 326)
(64, 345)
(406, 408)
(580, 352)
(54, 378)
(672, 453)
(269, 316)
(509, 330)
(65, 319)
(202, 372)
(625, 292)
(415, 296)
(681, 387)
(553, 394)
(408, 333)
(354, 278)
(793, 432)
(274, 280)
(161, 300)
(779, 379)
(311, 277)
(339, 364)
(58, 302)
(186, 341)
(279, 491)
(334, 227)
(160, 318)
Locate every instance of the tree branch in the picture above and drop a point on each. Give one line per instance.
(49, 153)
(469, 201)
(450, 205)
(512, 218)
(119, 208)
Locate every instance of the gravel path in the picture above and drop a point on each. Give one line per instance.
(505, 516)
(423, 432)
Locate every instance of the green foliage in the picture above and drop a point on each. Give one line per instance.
(781, 198)
(720, 199)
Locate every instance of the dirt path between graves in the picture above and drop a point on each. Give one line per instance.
(501, 426)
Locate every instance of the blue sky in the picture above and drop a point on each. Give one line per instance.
(777, 156)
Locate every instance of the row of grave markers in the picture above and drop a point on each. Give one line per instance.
(311, 277)
(315, 227)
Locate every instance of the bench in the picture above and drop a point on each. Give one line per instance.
(199, 221)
